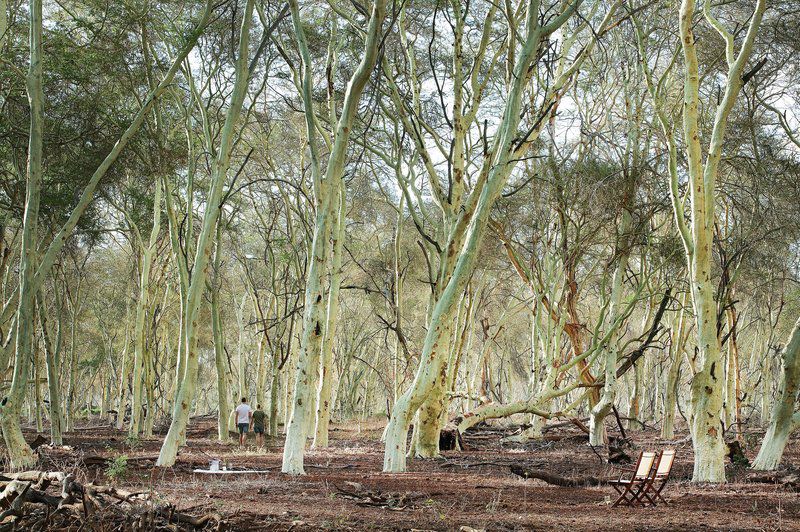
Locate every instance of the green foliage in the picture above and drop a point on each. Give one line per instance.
(132, 442)
(118, 467)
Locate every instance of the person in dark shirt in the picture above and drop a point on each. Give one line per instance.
(258, 422)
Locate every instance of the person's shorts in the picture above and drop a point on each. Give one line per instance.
(258, 430)
(243, 428)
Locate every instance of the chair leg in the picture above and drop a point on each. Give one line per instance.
(645, 494)
(658, 495)
(622, 496)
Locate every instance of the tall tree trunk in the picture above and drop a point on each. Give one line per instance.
(325, 188)
(142, 304)
(53, 359)
(673, 376)
(186, 391)
(497, 166)
(122, 392)
(785, 419)
(597, 432)
(326, 368)
(72, 367)
(223, 409)
(19, 452)
(707, 385)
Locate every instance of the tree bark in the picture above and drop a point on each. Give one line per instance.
(223, 408)
(784, 419)
(20, 454)
(53, 360)
(332, 319)
(314, 312)
(221, 164)
(142, 304)
(708, 384)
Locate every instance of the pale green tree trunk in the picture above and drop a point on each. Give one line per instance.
(503, 155)
(53, 360)
(325, 188)
(708, 384)
(323, 417)
(72, 366)
(785, 418)
(241, 357)
(37, 388)
(220, 167)
(19, 452)
(122, 397)
(140, 331)
(31, 275)
(597, 432)
(673, 376)
(223, 409)
(3, 23)
(274, 393)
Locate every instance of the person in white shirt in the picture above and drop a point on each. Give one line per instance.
(244, 414)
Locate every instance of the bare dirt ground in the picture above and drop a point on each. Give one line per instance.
(344, 488)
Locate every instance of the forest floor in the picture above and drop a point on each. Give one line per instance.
(473, 489)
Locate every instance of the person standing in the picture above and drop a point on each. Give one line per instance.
(259, 418)
(244, 416)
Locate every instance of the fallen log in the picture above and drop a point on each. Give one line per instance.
(556, 480)
(786, 479)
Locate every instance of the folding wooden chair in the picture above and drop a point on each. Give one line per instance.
(630, 489)
(656, 482)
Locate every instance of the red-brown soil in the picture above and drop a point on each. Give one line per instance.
(473, 489)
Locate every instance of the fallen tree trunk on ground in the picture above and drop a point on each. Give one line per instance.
(787, 479)
(556, 480)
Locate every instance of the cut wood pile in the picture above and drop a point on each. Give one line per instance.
(47, 500)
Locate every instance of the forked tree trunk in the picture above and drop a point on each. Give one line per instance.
(325, 188)
(502, 157)
(597, 431)
(31, 275)
(785, 419)
(708, 383)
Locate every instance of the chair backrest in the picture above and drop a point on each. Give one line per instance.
(665, 464)
(645, 465)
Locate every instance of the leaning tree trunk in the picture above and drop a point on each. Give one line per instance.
(19, 452)
(784, 419)
(186, 391)
(501, 159)
(30, 279)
